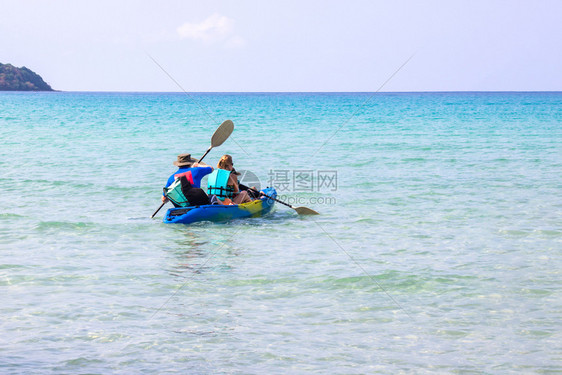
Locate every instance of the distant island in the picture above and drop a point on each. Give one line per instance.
(21, 79)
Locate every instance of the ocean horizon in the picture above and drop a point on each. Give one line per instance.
(299, 92)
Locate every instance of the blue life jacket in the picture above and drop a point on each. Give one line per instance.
(217, 184)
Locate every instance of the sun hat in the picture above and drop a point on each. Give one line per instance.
(185, 160)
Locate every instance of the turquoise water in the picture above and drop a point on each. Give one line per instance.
(438, 247)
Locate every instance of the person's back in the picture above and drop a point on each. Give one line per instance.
(182, 194)
(193, 173)
(217, 184)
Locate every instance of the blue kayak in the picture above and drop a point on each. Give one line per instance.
(218, 213)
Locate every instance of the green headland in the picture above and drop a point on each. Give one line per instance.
(21, 79)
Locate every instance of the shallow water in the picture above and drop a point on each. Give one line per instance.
(437, 248)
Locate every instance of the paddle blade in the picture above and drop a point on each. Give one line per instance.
(222, 133)
(305, 211)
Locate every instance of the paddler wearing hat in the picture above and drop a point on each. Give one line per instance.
(192, 170)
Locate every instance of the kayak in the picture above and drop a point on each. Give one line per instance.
(218, 213)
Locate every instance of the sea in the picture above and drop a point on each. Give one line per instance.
(438, 248)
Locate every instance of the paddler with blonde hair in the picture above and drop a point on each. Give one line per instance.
(224, 184)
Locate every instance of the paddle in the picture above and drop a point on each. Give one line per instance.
(300, 210)
(221, 134)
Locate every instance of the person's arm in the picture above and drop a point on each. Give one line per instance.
(168, 183)
(196, 165)
(233, 181)
(200, 172)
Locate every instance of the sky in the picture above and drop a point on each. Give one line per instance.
(287, 45)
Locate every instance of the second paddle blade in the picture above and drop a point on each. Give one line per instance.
(305, 211)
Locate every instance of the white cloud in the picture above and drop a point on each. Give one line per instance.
(216, 28)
